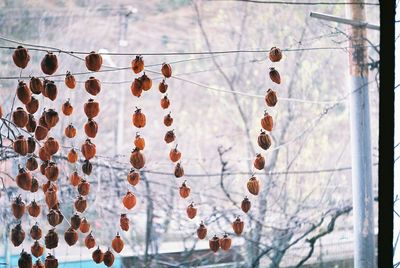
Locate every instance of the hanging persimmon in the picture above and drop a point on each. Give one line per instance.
(138, 118)
(245, 205)
(201, 231)
(51, 145)
(44, 155)
(51, 90)
(136, 87)
(51, 261)
(51, 118)
(34, 185)
(23, 92)
(31, 163)
(21, 57)
(70, 131)
(253, 185)
(84, 187)
(17, 235)
(137, 64)
(169, 136)
(80, 204)
(87, 167)
(93, 61)
(108, 258)
(97, 255)
(90, 242)
(74, 178)
(214, 243)
(53, 218)
(175, 154)
(259, 162)
(225, 242)
(36, 85)
(25, 260)
(139, 141)
(191, 211)
(163, 86)
(168, 120)
(37, 250)
(184, 190)
(124, 222)
(133, 177)
(72, 156)
(33, 209)
(24, 179)
(51, 197)
(267, 122)
(67, 108)
(146, 82)
(93, 86)
(84, 227)
(270, 98)
(32, 106)
(58, 211)
(166, 70)
(275, 54)
(69, 80)
(238, 226)
(129, 200)
(31, 145)
(18, 207)
(91, 108)
(75, 221)
(31, 125)
(91, 128)
(264, 141)
(274, 75)
(137, 159)
(20, 117)
(71, 236)
(164, 102)
(178, 170)
(117, 243)
(45, 81)
(51, 239)
(41, 132)
(88, 149)
(49, 185)
(51, 172)
(43, 166)
(20, 145)
(38, 264)
(36, 232)
(49, 63)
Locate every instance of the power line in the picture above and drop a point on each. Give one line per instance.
(297, 3)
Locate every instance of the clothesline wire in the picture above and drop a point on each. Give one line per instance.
(58, 50)
(297, 3)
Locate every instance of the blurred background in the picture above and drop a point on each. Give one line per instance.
(306, 186)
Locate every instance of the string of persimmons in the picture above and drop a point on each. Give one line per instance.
(40, 134)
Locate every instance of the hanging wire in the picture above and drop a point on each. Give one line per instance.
(298, 3)
(55, 50)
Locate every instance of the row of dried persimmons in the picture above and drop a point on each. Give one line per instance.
(49, 119)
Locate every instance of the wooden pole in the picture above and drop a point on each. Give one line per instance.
(363, 215)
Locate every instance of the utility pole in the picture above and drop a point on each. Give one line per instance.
(363, 215)
(124, 14)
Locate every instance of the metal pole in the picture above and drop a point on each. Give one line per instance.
(344, 21)
(363, 215)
